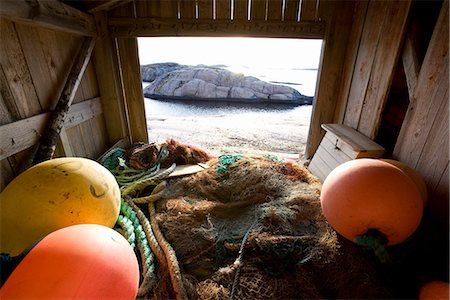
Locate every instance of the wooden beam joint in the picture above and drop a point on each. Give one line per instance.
(50, 14)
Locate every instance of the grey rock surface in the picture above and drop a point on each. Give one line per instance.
(174, 81)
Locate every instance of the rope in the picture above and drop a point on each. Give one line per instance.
(172, 261)
(238, 262)
(138, 236)
(139, 185)
(226, 161)
(375, 241)
(136, 228)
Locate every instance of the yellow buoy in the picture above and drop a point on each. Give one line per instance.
(55, 194)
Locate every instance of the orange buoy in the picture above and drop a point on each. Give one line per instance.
(418, 180)
(85, 261)
(435, 290)
(369, 195)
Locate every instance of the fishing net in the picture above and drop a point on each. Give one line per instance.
(251, 228)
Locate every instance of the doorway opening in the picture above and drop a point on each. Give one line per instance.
(186, 98)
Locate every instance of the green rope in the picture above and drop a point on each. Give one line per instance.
(140, 237)
(375, 241)
(128, 229)
(226, 161)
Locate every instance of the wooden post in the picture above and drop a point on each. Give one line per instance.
(50, 137)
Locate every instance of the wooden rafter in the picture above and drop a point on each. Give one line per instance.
(50, 14)
(132, 27)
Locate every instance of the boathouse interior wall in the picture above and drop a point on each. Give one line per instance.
(384, 72)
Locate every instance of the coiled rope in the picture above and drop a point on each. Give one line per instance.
(141, 233)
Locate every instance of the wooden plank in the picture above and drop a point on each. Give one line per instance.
(308, 10)
(50, 136)
(223, 9)
(435, 153)
(291, 10)
(240, 12)
(100, 139)
(126, 27)
(66, 149)
(411, 64)
(187, 9)
(20, 135)
(364, 61)
(76, 139)
(339, 24)
(329, 143)
(128, 10)
(431, 88)
(328, 159)
(9, 110)
(145, 9)
(438, 206)
(50, 14)
(352, 142)
(106, 66)
(274, 10)
(258, 10)
(318, 166)
(168, 9)
(205, 9)
(132, 88)
(7, 173)
(383, 69)
(82, 112)
(44, 79)
(96, 6)
(16, 71)
(350, 59)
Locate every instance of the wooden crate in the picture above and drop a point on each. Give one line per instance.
(341, 144)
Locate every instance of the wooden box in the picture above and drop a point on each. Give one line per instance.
(341, 144)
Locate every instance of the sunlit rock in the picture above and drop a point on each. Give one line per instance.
(174, 81)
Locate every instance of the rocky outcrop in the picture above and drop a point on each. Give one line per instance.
(173, 81)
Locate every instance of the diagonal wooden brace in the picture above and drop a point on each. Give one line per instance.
(51, 134)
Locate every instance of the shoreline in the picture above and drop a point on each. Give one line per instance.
(226, 130)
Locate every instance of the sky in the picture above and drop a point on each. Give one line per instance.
(251, 52)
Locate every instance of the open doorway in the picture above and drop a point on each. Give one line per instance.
(224, 125)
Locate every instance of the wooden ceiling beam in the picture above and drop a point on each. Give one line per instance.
(132, 27)
(96, 6)
(50, 14)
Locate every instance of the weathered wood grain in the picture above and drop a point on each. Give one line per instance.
(127, 27)
(50, 14)
(16, 71)
(274, 10)
(49, 139)
(411, 65)
(431, 88)
(354, 40)
(364, 62)
(308, 10)
(291, 10)
(106, 66)
(205, 9)
(339, 22)
(383, 69)
(132, 88)
(20, 135)
(223, 9)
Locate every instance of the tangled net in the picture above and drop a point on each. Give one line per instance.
(251, 228)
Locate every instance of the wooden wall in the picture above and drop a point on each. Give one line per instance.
(423, 142)
(380, 41)
(34, 65)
